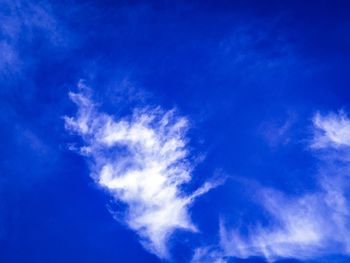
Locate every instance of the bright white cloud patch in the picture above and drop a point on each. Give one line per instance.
(332, 130)
(306, 226)
(141, 161)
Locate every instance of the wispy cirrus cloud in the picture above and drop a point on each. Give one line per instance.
(23, 24)
(299, 227)
(306, 226)
(141, 161)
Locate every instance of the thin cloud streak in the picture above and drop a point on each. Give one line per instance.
(303, 227)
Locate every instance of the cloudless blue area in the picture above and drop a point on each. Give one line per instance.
(239, 70)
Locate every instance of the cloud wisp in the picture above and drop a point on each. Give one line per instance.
(25, 25)
(142, 161)
(307, 226)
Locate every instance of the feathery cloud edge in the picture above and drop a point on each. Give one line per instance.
(142, 162)
(303, 227)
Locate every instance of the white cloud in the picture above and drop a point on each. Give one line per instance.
(306, 226)
(141, 161)
(303, 227)
(332, 130)
(208, 255)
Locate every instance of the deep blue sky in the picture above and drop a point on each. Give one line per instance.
(248, 75)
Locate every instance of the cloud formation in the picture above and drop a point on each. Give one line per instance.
(303, 227)
(307, 226)
(331, 131)
(142, 161)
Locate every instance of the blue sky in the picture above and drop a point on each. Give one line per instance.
(174, 131)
